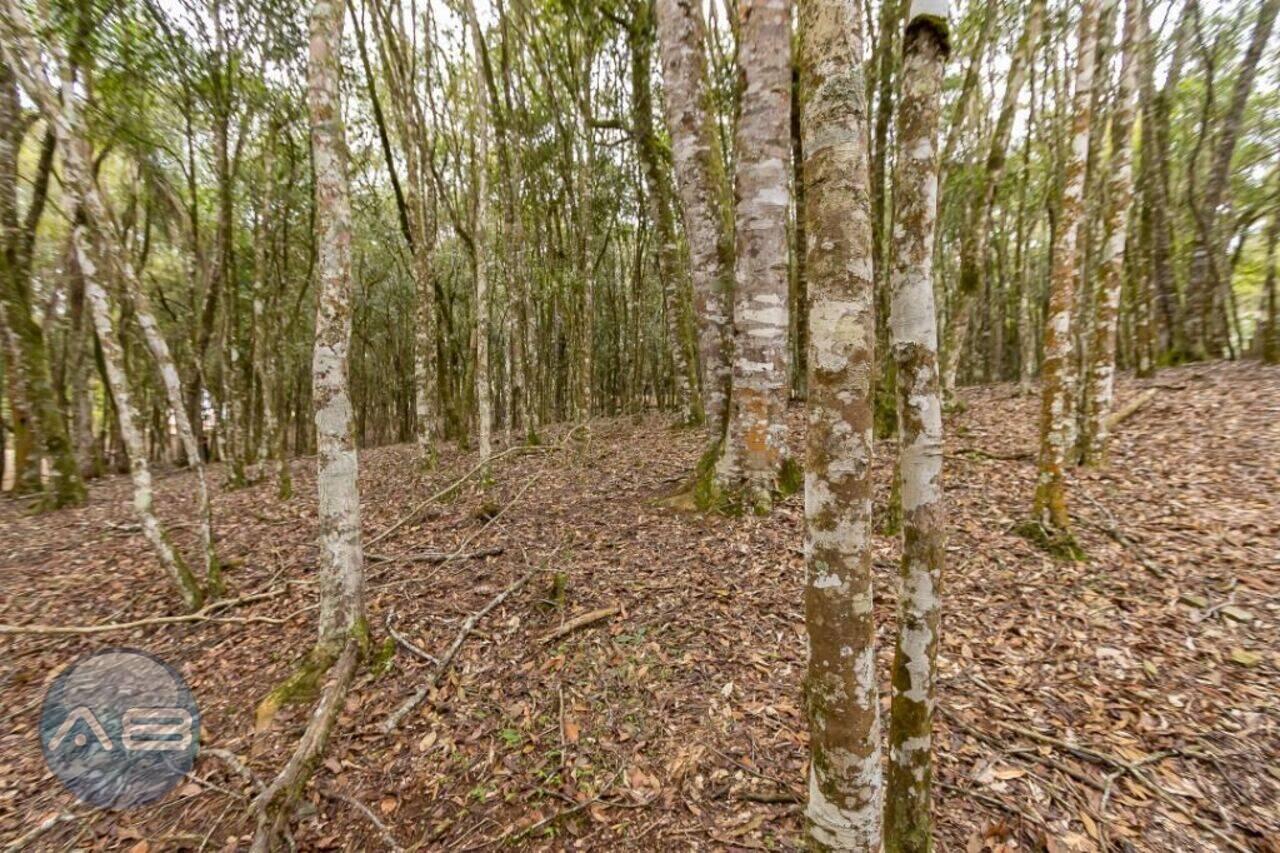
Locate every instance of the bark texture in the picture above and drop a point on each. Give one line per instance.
(845, 780)
(1100, 392)
(1057, 384)
(706, 199)
(342, 559)
(914, 341)
(755, 449)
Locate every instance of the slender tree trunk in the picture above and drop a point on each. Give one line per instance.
(1102, 353)
(130, 424)
(1058, 391)
(658, 184)
(705, 195)
(914, 339)
(841, 696)
(479, 241)
(342, 557)
(754, 455)
(975, 241)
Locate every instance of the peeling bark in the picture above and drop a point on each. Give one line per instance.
(841, 697)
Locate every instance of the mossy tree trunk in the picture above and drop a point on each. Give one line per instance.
(841, 697)
(1057, 391)
(657, 177)
(1209, 276)
(914, 340)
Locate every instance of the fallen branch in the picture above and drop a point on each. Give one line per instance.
(436, 557)
(204, 614)
(581, 621)
(274, 806)
(407, 644)
(396, 717)
(1131, 408)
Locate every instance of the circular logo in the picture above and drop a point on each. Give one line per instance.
(119, 728)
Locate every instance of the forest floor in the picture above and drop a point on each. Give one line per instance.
(1132, 700)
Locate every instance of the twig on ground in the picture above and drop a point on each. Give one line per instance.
(236, 764)
(1134, 769)
(409, 646)
(24, 842)
(432, 557)
(383, 829)
(397, 716)
(581, 622)
(514, 833)
(1112, 529)
(1016, 456)
(477, 468)
(1029, 817)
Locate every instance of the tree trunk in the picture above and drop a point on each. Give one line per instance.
(1058, 391)
(342, 558)
(705, 196)
(31, 365)
(1102, 354)
(479, 241)
(754, 455)
(845, 777)
(914, 339)
(1209, 279)
(975, 241)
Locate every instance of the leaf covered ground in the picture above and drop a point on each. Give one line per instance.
(1126, 702)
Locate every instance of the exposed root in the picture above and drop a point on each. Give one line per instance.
(301, 686)
(1053, 541)
(274, 806)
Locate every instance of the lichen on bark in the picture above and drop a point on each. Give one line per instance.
(841, 697)
(914, 342)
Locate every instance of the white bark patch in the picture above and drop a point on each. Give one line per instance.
(840, 828)
(915, 646)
